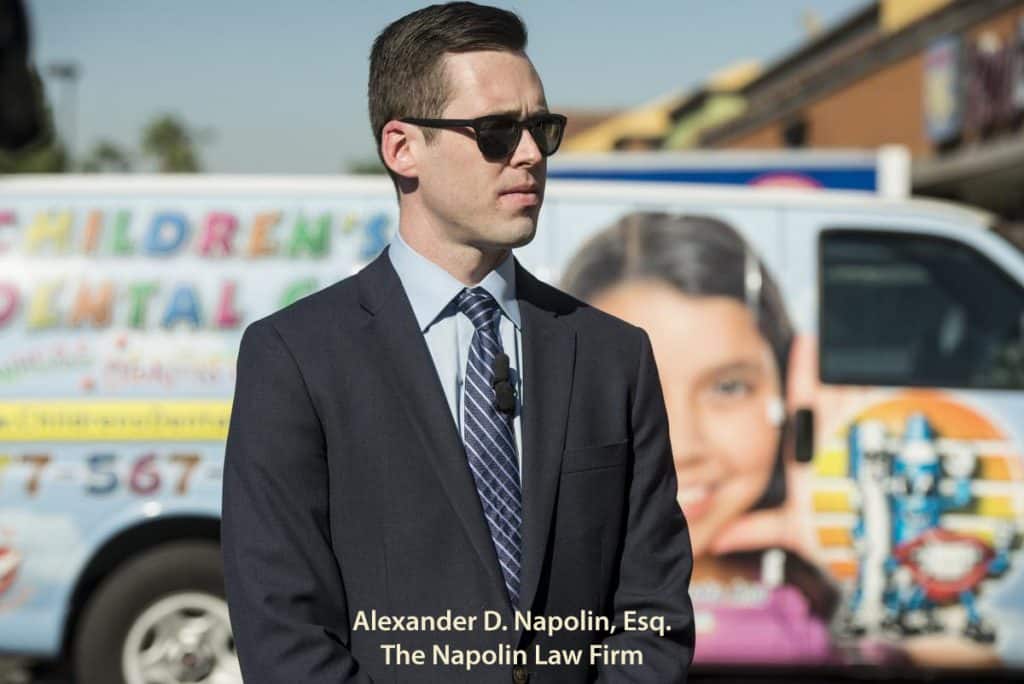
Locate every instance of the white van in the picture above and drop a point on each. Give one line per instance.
(889, 525)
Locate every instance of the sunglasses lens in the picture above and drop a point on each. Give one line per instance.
(496, 139)
(547, 133)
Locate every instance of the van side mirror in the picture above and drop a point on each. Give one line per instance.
(803, 428)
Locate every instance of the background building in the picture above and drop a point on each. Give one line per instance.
(943, 77)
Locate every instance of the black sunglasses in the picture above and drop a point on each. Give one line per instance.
(498, 135)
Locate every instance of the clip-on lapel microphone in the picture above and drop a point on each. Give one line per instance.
(504, 392)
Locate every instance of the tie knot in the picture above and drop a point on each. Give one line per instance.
(479, 305)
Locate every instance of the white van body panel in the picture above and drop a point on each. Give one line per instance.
(783, 226)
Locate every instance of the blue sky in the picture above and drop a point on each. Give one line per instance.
(285, 92)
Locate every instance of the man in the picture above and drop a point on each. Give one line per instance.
(443, 434)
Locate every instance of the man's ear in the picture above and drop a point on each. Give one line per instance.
(396, 148)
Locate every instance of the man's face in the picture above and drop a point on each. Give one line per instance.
(489, 204)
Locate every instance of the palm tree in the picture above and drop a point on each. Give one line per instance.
(172, 143)
(107, 156)
(369, 166)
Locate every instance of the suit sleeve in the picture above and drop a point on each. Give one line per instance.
(284, 588)
(654, 572)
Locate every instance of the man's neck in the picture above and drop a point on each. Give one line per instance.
(466, 263)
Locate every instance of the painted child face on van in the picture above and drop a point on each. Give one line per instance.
(719, 378)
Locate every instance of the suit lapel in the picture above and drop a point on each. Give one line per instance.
(394, 341)
(549, 349)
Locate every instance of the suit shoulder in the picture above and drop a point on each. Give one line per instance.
(588, 320)
(310, 313)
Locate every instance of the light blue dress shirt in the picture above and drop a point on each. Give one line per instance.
(448, 332)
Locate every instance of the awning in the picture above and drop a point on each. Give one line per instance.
(989, 176)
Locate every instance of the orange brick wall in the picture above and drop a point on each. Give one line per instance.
(884, 107)
(768, 136)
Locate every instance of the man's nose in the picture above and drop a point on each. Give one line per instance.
(527, 151)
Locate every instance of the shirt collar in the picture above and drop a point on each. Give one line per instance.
(430, 288)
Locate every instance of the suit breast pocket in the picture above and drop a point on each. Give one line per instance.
(592, 496)
(583, 459)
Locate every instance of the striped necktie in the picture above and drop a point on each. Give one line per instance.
(489, 439)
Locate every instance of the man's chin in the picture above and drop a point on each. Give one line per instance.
(515, 234)
(524, 239)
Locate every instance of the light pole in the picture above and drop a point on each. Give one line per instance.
(68, 73)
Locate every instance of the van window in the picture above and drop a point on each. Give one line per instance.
(911, 310)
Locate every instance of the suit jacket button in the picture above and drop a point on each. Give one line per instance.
(519, 675)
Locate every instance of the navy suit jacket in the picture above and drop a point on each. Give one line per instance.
(346, 489)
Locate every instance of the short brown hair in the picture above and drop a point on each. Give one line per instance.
(406, 63)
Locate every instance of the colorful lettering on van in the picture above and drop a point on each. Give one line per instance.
(210, 234)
